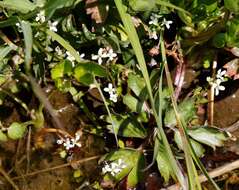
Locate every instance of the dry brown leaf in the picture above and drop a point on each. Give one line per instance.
(232, 68)
(97, 11)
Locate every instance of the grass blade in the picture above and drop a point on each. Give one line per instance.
(134, 39)
(190, 154)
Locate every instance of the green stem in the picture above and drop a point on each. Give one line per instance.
(108, 110)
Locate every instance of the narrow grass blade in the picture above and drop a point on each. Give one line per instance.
(167, 4)
(27, 32)
(134, 39)
(190, 154)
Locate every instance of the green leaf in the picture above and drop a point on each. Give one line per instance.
(134, 162)
(208, 135)
(186, 110)
(163, 163)
(142, 5)
(127, 126)
(232, 32)
(136, 174)
(3, 137)
(232, 5)
(16, 131)
(198, 148)
(85, 73)
(65, 67)
(4, 51)
(134, 104)
(136, 83)
(219, 40)
(27, 32)
(164, 99)
(52, 5)
(23, 6)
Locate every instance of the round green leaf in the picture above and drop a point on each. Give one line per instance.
(16, 131)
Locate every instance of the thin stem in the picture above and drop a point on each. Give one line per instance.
(108, 111)
(57, 167)
(16, 99)
(8, 179)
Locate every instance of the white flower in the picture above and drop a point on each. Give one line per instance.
(59, 141)
(59, 51)
(114, 167)
(121, 164)
(154, 19)
(221, 75)
(111, 55)
(19, 28)
(52, 25)
(17, 59)
(113, 97)
(153, 35)
(70, 57)
(41, 17)
(217, 86)
(101, 54)
(166, 23)
(69, 143)
(82, 55)
(210, 80)
(112, 92)
(110, 89)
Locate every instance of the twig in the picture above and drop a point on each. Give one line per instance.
(44, 100)
(214, 173)
(8, 41)
(8, 179)
(211, 97)
(57, 167)
(28, 148)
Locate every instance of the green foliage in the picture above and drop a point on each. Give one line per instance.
(61, 69)
(22, 6)
(232, 5)
(163, 162)
(111, 58)
(186, 111)
(134, 162)
(127, 126)
(142, 5)
(198, 148)
(210, 136)
(16, 131)
(85, 73)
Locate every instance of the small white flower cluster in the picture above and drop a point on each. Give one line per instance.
(216, 83)
(156, 23)
(154, 19)
(70, 143)
(104, 53)
(19, 27)
(41, 18)
(114, 167)
(112, 92)
(67, 54)
(53, 25)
